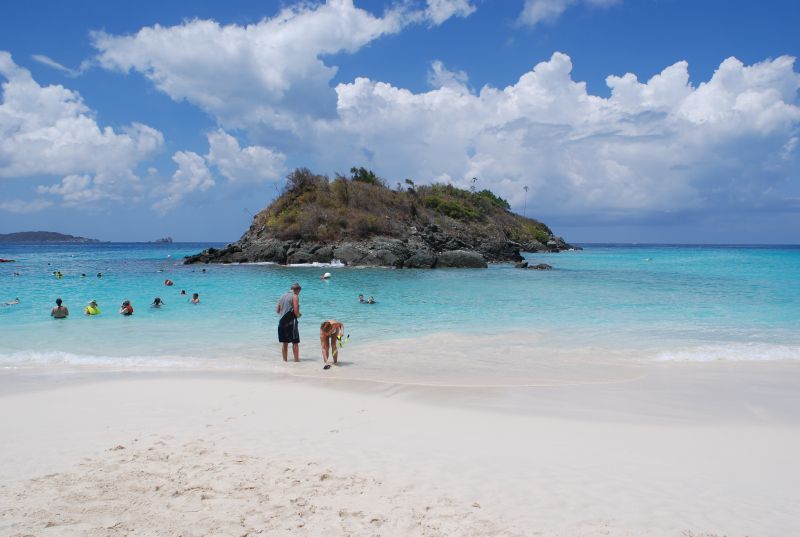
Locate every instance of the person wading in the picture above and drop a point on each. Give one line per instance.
(288, 309)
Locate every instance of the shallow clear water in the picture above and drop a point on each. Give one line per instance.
(649, 302)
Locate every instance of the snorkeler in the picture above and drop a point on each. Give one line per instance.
(157, 302)
(12, 302)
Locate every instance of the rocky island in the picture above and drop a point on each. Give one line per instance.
(361, 221)
(42, 236)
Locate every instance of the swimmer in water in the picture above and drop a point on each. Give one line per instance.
(168, 282)
(370, 300)
(195, 298)
(126, 308)
(325, 276)
(157, 302)
(12, 302)
(91, 308)
(60, 311)
(183, 291)
(361, 298)
(99, 274)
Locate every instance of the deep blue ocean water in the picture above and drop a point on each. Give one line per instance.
(686, 303)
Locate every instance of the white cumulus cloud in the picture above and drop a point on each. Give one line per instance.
(653, 146)
(269, 73)
(660, 145)
(439, 76)
(49, 130)
(192, 175)
(439, 11)
(538, 11)
(252, 164)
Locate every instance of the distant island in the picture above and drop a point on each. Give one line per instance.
(361, 221)
(41, 236)
(164, 240)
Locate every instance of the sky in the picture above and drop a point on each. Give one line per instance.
(661, 121)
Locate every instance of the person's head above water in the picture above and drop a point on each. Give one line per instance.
(58, 301)
(183, 291)
(361, 298)
(295, 287)
(157, 301)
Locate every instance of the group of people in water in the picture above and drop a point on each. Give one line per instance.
(60, 311)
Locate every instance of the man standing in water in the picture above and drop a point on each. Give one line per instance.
(288, 309)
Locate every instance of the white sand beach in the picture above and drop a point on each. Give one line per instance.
(675, 450)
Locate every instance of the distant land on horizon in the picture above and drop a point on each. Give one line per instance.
(42, 236)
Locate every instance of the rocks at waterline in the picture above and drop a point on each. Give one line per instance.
(426, 248)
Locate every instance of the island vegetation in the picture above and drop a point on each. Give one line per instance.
(361, 220)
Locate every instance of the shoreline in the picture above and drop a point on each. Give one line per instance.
(683, 450)
(511, 358)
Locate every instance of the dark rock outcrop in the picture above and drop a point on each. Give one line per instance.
(460, 258)
(554, 245)
(425, 248)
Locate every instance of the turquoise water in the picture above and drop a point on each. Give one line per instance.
(655, 302)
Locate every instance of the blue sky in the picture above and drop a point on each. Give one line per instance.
(628, 121)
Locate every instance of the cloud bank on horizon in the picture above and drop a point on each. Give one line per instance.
(659, 146)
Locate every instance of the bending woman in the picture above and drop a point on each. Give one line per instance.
(329, 333)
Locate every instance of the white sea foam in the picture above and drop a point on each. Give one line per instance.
(334, 263)
(247, 263)
(35, 359)
(733, 352)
